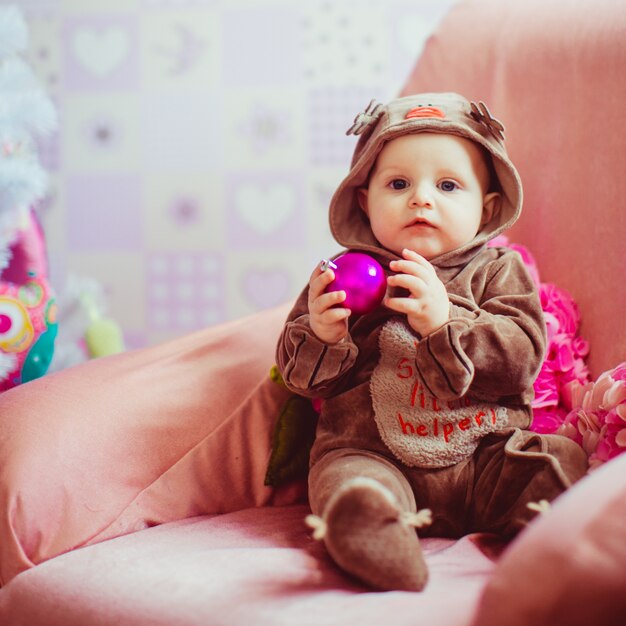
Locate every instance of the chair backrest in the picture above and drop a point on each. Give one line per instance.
(553, 72)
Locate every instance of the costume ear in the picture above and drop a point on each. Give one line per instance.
(361, 196)
(492, 203)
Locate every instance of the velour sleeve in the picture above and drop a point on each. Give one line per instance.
(496, 348)
(309, 366)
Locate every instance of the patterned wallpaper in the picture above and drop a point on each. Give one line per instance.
(200, 142)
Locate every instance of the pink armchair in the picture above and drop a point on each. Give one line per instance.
(132, 486)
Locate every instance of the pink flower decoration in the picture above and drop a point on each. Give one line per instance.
(552, 325)
(566, 402)
(560, 304)
(548, 420)
(580, 347)
(584, 428)
(611, 443)
(564, 364)
(619, 373)
(598, 419)
(546, 387)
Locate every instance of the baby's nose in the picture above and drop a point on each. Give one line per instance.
(422, 195)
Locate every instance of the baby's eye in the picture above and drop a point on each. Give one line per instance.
(398, 184)
(448, 185)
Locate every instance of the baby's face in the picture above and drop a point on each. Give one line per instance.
(427, 192)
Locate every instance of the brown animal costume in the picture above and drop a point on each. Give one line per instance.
(412, 425)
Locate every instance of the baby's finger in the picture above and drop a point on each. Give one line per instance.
(408, 306)
(414, 284)
(412, 268)
(416, 260)
(328, 300)
(411, 255)
(319, 282)
(334, 315)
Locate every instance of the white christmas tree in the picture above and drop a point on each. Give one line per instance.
(26, 113)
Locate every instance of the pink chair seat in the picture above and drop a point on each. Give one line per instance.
(250, 567)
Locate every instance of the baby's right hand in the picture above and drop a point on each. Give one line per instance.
(328, 321)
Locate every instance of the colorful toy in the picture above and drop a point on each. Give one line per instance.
(28, 312)
(361, 277)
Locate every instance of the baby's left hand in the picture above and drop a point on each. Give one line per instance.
(427, 307)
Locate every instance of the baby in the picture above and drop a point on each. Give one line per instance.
(426, 398)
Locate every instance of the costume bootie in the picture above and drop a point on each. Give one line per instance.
(369, 536)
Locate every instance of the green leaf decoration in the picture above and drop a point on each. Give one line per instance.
(292, 440)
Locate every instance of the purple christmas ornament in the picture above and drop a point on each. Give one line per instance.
(362, 278)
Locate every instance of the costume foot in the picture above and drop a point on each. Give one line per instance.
(368, 536)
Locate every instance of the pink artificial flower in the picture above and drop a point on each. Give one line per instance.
(570, 366)
(619, 373)
(607, 393)
(561, 369)
(612, 443)
(552, 325)
(560, 351)
(580, 347)
(573, 392)
(598, 419)
(547, 420)
(579, 372)
(564, 373)
(588, 429)
(546, 387)
(569, 428)
(560, 304)
(615, 397)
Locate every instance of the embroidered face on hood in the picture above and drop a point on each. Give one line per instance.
(445, 113)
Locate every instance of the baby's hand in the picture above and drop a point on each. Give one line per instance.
(328, 321)
(427, 307)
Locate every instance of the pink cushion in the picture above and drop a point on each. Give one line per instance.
(137, 439)
(251, 567)
(568, 567)
(554, 73)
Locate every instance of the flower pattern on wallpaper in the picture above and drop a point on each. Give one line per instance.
(266, 127)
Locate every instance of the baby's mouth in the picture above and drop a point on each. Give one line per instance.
(420, 223)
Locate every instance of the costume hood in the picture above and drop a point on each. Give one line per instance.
(447, 113)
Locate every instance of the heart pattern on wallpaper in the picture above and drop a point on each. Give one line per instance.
(265, 208)
(100, 51)
(266, 288)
